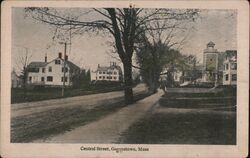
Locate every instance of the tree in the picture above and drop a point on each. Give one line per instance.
(158, 48)
(22, 64)
(151, 59)
(81, 79)
(125, 25)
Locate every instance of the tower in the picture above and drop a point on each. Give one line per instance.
(210, 63)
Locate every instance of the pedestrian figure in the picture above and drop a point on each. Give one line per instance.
(163, 86)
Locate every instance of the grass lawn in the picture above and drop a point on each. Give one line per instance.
(183, 128)
(37, 94)
(186, 123)
(44, 124)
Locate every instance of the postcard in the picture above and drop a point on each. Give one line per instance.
(124, 78)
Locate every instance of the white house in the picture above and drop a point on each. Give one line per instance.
(107, 73)
(230, 68)
(52, 73)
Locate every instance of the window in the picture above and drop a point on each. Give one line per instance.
(50, 79)
(43, 70)
(234, 66)
(226, 77)
(100, 77)
(100, 72)
(115, 78)
(115, 73)
(33, 69)
(42, 79)
(103, 77)
(234, 77)
(57, 61)
(66, 79)
(103, 72)
(50, 69)
(30, 78)
(226, 66)
(66, 69)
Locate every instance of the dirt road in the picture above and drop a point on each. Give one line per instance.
(109, 128)
(87, 101)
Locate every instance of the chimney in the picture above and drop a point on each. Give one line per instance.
(60, 55)
(98, 65)
(66, 58)
(45, 58)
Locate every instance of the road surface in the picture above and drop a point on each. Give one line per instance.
(109, 128)
(87, 101)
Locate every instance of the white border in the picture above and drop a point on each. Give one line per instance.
(73, 150)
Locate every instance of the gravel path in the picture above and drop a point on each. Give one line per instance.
(108, 129)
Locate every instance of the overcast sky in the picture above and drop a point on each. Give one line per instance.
(87, 51)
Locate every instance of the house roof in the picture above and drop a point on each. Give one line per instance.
(36, 64)
(106, 68)
(231, 53)
(42, 64)
(72, 65)
(211, 43)
(103, 68)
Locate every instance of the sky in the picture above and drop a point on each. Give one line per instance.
(89, 50)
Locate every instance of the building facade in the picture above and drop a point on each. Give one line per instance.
(210, 63)
(52, 73)
(230, 68)
(107, 73)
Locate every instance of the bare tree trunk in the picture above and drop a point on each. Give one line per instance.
(128, 82)
(25, 78)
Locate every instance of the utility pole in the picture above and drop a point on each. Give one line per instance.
(64, 65)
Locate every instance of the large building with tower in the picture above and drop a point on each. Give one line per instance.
(210, 63)
(214, 69)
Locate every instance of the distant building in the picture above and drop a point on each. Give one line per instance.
(190, 74)
(52, 73)
(218, 68)
(15, 80)
(107, 73)
(230, 68)
(212, 64)
(177, 75)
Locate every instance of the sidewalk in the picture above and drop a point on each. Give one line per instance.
(109, 128)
